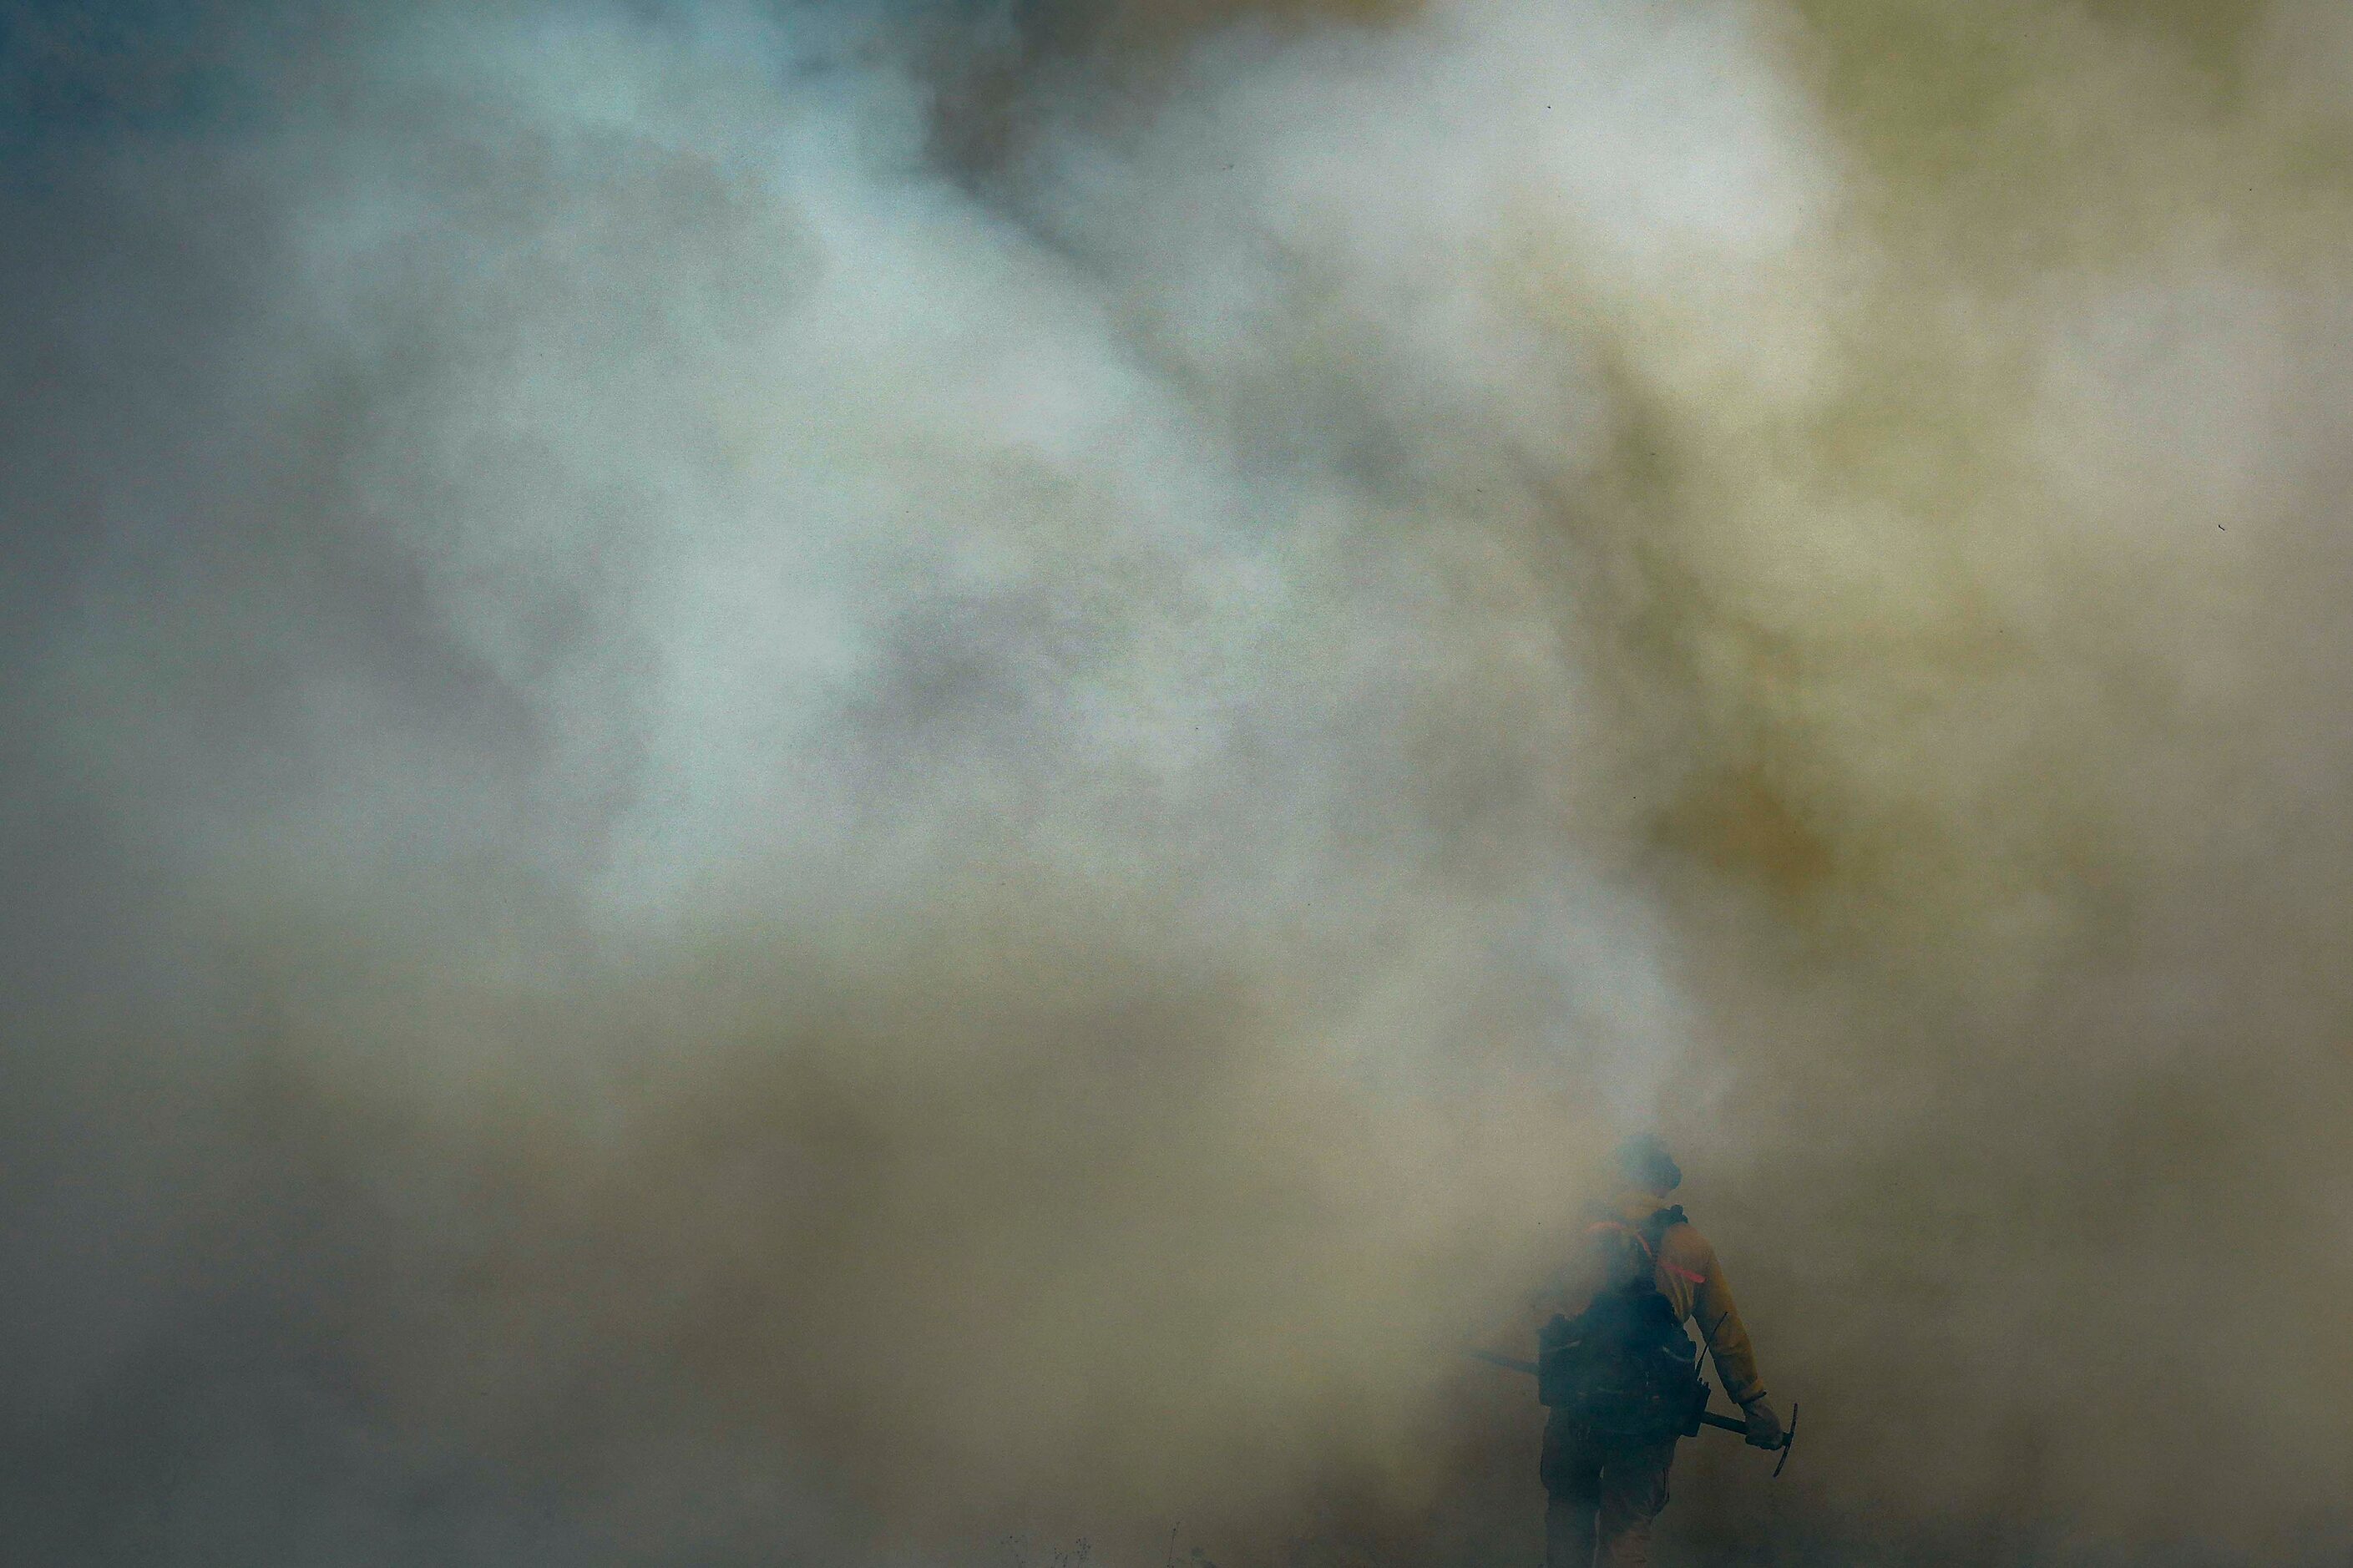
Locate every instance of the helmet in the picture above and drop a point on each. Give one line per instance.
(1644, 1160)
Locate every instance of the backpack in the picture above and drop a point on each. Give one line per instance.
(1623, 1368)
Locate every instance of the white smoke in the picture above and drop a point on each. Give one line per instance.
(730, 829)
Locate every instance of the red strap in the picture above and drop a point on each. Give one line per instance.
(1681, 1273)
(1629, 1230)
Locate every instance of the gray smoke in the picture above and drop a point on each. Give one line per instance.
(821, 781)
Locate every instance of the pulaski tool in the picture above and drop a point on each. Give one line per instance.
(1701, 1414)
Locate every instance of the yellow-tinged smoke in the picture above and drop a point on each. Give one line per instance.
(826, 780)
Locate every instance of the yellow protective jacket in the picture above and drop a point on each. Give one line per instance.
(1688, 1276)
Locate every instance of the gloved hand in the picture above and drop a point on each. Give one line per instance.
(1765, 1430)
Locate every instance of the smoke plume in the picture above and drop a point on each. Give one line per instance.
(891, 783)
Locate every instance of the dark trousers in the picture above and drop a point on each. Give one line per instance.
(1600, 1497)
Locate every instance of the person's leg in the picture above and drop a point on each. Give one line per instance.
(1633, 1489)
(1571, 1470)
(1569, 1532)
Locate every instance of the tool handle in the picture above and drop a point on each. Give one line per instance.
(1729, 1424)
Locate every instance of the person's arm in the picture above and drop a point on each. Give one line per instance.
(1718, 1317)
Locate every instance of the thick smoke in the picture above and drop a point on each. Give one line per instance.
(823, 782)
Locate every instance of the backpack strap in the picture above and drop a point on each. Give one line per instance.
(1647, 1243)
(1650, 1234)
(1651, 1237)
(1657, 1225)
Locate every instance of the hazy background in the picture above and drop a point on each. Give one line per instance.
(818, 783)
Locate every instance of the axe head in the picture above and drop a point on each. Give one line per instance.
(1789, 1440)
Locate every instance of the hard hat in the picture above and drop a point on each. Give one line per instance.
(1643, 1158)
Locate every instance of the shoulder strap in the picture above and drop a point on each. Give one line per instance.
(1640, 1275)
(1657, 1225)
(1650, 1234)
